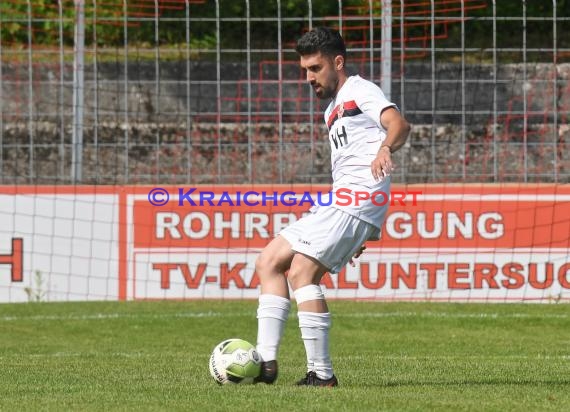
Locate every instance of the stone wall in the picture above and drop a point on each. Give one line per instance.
(140, 134)
(180, 159)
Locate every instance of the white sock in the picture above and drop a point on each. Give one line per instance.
(315, 333)
(272, 314)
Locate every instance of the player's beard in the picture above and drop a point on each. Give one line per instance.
(325, 92)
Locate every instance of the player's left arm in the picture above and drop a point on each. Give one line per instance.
(397, 131)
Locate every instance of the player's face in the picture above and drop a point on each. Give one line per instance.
(321, 74)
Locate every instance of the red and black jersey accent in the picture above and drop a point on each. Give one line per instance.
(342, 110)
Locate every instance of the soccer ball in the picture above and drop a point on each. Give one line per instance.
(234, 361)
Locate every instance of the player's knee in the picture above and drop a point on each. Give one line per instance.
(267, 265)
(299, 278)
(261, 264)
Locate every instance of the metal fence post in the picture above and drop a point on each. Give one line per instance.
(386, 83)
(78, 89)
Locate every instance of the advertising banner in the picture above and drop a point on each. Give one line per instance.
(449, 243)
(488, 243)
(58, 244)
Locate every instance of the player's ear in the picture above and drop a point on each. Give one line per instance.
(339, 62)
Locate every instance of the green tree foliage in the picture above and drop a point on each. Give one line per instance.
(117, 25)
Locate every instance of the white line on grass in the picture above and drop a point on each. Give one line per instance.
(448, 315)
(211, 314)
(106, 316)
(368, 357)
(88, 354)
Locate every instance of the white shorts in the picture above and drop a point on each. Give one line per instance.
(329, 235)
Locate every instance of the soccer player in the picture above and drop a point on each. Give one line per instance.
(364, 130)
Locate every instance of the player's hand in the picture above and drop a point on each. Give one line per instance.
(382, 165)
(357, 255)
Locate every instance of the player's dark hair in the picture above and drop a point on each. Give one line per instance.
(322, 39)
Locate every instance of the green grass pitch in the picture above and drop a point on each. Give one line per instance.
(153, 356)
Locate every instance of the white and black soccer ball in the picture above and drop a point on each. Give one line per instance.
(234, 361)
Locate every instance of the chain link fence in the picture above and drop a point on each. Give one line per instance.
(208, 92)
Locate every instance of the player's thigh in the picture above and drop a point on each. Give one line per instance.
(275, 258)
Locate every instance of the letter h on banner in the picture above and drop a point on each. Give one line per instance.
(15, 259)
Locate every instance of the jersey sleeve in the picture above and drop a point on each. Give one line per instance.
(372, 101)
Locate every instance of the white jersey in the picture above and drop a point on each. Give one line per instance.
(355, 134)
